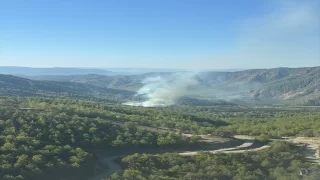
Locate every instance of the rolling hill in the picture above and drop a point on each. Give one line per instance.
(17, 86)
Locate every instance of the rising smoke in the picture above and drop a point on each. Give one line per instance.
(164, 90)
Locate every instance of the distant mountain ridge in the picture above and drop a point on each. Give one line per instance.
(294, 85)
(28, 71)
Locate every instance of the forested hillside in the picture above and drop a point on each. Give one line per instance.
(16, 86)
(119, 82)
(54, 138)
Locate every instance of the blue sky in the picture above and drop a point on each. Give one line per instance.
(200, 34)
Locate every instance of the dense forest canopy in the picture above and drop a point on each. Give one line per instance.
(45, 138)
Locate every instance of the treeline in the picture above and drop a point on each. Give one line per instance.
(293, 124)
(261, 121)
(119, 113)
(281, 161)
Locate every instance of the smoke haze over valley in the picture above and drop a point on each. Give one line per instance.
(164, 90)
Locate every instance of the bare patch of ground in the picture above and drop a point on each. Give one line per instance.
(311, 147)
(291, 94)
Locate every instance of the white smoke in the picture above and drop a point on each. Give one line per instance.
(164, 90)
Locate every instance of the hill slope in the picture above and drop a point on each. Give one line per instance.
(17, 86)
(301, 84)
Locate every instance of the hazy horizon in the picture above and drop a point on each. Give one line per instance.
(147, 68)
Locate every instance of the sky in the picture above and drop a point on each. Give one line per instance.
(188, 34)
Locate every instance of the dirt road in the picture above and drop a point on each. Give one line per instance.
(228, 150)
(114, 167)
(311, 144)
(312, 149)
(311, 152)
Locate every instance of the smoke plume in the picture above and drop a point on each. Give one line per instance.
(164, 90)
